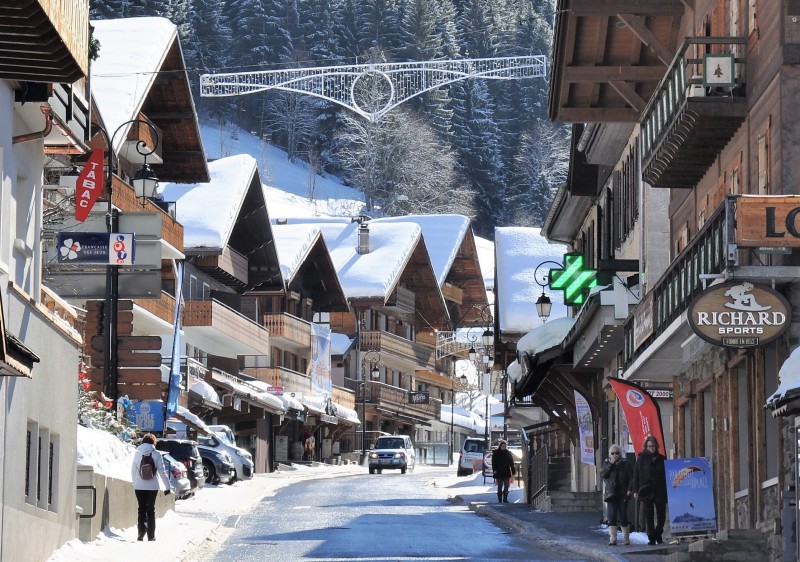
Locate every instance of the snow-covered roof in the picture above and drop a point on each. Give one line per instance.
(443, 235)
(546, 336)
(789, 375)
(206, 391)
(374, 274)
(230, 179)
(519, 251)
(293, 242)
(132, 50)
(461, 417)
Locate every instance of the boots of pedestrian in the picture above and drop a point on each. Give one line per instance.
(499, 497)
(505, 497)
(612, 535)
(626, 535)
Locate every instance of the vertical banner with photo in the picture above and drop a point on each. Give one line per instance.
(320, 368)
(690, 493)
(585, 428)
(174, 389)
(642, 413)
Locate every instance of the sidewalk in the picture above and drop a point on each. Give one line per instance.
(578, 533)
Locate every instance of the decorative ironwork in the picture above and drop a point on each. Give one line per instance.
(372, 90)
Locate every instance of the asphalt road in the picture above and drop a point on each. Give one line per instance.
(371, 517)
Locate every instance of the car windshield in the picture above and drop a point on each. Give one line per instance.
(207, 440)
(473, 446)
(390, 443)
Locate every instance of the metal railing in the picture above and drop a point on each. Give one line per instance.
(537, 477)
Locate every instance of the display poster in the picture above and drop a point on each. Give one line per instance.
(690, 493)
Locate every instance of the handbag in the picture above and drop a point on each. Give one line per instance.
(610, 491)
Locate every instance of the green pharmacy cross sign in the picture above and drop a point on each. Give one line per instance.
(574, 279)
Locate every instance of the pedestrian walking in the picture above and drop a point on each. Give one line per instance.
(503, 470)
(616, 474)
(149, 475)
(649, 487)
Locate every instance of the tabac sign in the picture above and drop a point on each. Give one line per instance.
(739, 314)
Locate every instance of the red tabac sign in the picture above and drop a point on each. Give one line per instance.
(89, 185)
(739, 314)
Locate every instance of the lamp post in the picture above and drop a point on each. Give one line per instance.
(372, 357)
(144, 185)
(543, 304)
(462, 383)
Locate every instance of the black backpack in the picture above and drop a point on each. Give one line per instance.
(147, 467)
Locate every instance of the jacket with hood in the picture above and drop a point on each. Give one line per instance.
(161, 480)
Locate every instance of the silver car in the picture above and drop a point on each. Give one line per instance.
(178, 477)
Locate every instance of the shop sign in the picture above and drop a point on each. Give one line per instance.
(420, 397)
(328, 419)
(768, 221)
(643, 321)
(100, 248)
(739, 314)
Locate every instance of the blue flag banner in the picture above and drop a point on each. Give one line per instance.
(175, 367)
(690, 493)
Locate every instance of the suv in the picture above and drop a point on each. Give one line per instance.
(392, 451)
(471, 458)
(217, 465)
(186, 452)
(242, 460)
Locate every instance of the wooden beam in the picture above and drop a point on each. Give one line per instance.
(599, 56)
(688, 3)
(588, 74)
(597, 115)
(628, 94)
(638, 27)
(614, 7)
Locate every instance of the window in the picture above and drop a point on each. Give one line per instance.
(763, 164)
(41, 467)
(708, 413)
(752, 23)
(742, 408)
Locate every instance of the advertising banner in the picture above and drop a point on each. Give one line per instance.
(147, 414)
(641, 413)
(89, 185)
(174, 389)
(101, 248)
(690, 493)
(320, 367)
(585, 428)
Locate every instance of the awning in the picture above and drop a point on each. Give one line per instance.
(184, 415)
(785, 400)
(314, 403)
(246, 391)
(346, 414)
(205, 394)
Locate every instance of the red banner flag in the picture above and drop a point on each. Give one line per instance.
(89, 185)
(641, 413)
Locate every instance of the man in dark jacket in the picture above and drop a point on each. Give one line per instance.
(503, 470)
(649, 487)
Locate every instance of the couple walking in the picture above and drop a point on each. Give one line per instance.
(646, 482)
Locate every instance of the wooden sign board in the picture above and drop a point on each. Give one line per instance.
(148, 376)
(768, 221)
(127, 358)
(149, 343)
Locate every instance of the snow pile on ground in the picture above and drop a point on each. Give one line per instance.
(105, 452)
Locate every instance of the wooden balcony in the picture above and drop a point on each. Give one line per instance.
(162, 308)
(125, 199)
(688, 122)
(221, 330)
(230, 268)
(289, 332)
(291, 381)
(398, 352)
(44, 40)
(394, 400)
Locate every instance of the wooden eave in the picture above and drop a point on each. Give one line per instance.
(418, 276)
(317, 279)
(609, 56)
(169, 104)
(44, 40)
(466, 274)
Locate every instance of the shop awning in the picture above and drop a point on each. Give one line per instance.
(191, 420)
(346, 415)
(246, 391)
(785, 401)
(203, 393)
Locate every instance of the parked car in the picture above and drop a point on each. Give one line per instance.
(242, 459)
(217, 465)
(470, 458)
(186, 452)
(178, 477)
(393, 452)
(225, 432)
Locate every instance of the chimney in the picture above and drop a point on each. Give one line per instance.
(363, 238)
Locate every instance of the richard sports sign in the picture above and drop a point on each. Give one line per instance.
(739, 314)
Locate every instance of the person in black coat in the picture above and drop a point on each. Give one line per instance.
(649, 487)
(616, 475)
(503, 470)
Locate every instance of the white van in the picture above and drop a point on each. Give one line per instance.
(471, 457)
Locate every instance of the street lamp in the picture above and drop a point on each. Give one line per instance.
(146, 189)
(372, 357)
(543, 304)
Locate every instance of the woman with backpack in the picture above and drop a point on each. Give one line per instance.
(149, 475)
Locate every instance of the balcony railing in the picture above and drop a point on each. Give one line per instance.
(394, 399)
(689, 120)
(407, 351)
(285, 328)
(163, 308)
(291, 381)
(227, 321)
(681, 283)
